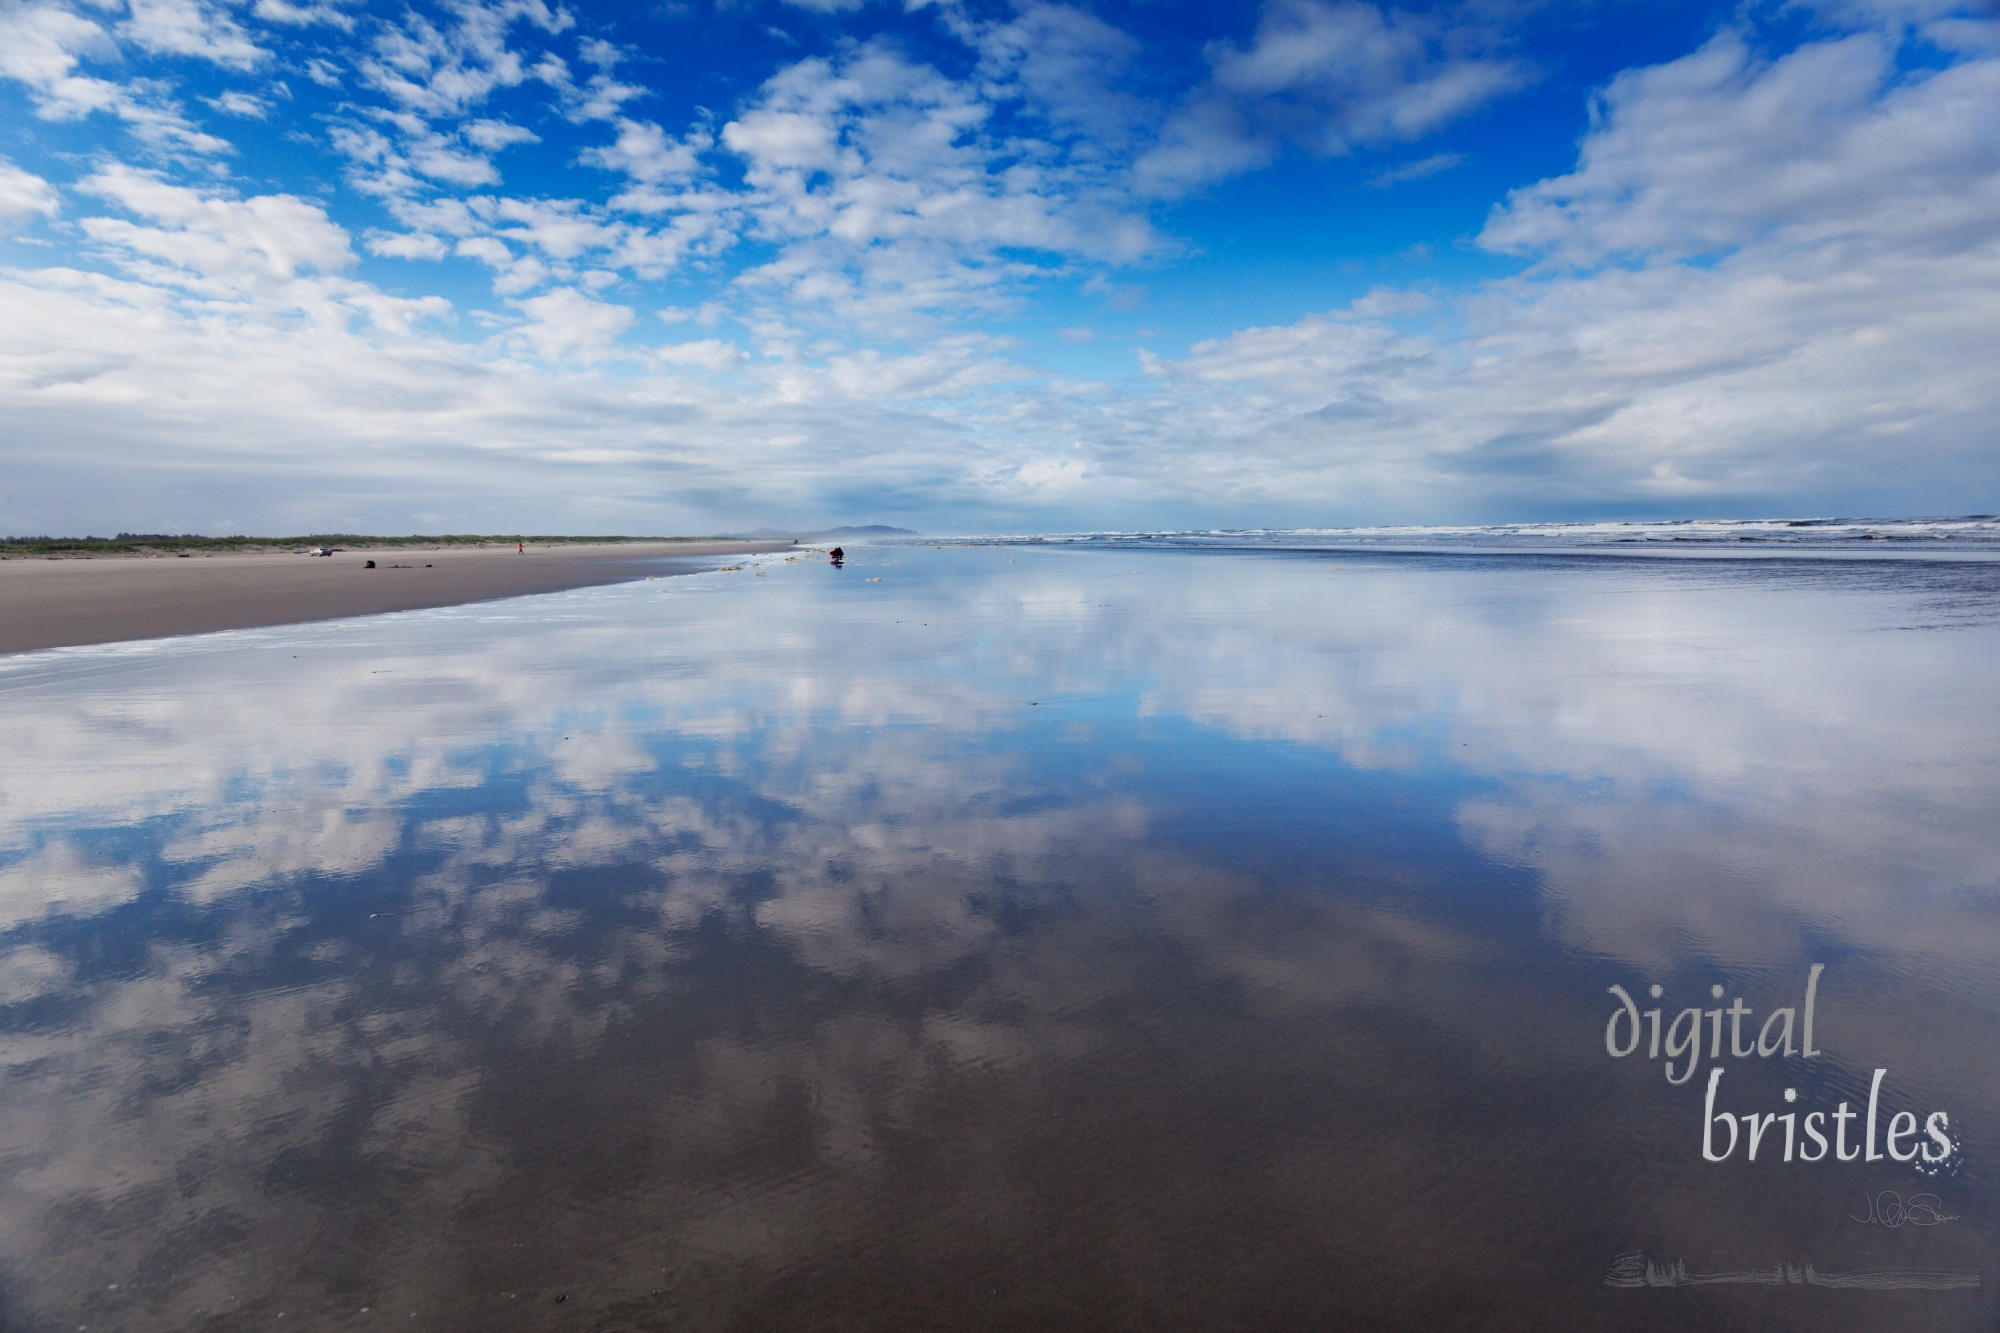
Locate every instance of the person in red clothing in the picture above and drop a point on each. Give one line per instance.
(520, 548)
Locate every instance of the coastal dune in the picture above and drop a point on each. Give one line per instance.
(65, 602)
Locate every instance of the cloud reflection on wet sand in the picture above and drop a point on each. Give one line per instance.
(738, 954)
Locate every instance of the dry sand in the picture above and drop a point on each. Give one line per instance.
(54, 603)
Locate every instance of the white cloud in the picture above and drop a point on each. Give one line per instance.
(240, 104)
(564, 239)
(1417, 170)
(1053, 474)
(441, 70)
(190, 28)
(1067, 66)
(494, 135)
(1829, 339)
(646, 153)
(210, 242)
(512, 274)
(408, 245)
(295, 15)
(409, 159)
(565, 325)
(323, 72)
(1839, 153)
(1331, 78)
(782, 140)
(560, 229)
(1964, 36)
(602, 95)
(893, 197)
(24, 195)
(710, 354)
(42, 46)
(441, 160)
(848, 228)
(376, 167)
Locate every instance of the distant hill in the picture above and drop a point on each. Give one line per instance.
(829, 534)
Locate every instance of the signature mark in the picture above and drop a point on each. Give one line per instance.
(1892, 1210)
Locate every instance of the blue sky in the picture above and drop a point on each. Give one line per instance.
(503, 264)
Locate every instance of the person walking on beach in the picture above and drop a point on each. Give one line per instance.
(520, 548)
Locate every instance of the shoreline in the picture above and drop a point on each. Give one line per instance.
(68, 601)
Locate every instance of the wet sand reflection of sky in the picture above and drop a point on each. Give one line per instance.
(1030, 938)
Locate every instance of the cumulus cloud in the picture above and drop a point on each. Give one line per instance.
(1841, 149)
(407, 245)
(645, 152)
(1069, 66)
(1329, 78)
(449, 64)
(330, 13)
(212, 242)
(493, 135)
(711, 354)
(24, 196)
(190, 28)
(893, 197)
(42, 47)
(566, 324)
(240, 104)
(852, 226)
(1814, 335)
(400, 155)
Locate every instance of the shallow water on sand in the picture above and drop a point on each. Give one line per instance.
(1032, 938)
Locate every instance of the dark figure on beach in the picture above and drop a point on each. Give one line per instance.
(837, 555)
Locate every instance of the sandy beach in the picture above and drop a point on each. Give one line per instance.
(67, 601)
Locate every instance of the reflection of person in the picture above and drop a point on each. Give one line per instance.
(836, 555)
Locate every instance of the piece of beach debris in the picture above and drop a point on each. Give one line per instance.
(368, 564)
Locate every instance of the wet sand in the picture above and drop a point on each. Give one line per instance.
(64, 602)
(1019, 942)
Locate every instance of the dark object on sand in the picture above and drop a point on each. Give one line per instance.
(368, 564)
(836, 555)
